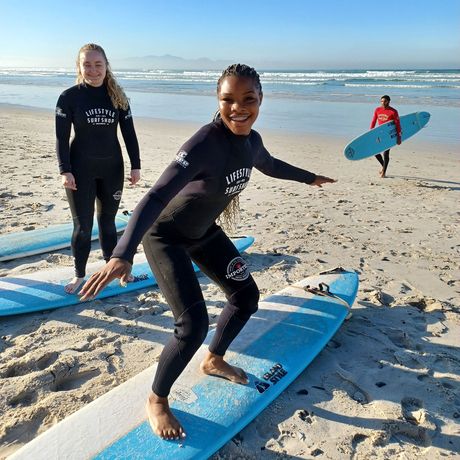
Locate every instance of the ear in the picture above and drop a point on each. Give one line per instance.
(261, 97)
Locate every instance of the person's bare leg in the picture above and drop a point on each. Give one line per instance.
(215, 365)
(74, 285)
(162, 420)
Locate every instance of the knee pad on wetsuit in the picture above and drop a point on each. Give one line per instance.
(192, 326)
(246, 301)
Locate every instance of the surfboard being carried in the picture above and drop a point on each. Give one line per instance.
(44, 290)
(384, 137)
(288, 331)
(22, 244)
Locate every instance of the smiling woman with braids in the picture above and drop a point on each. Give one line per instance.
(91, 165)
(176, 223)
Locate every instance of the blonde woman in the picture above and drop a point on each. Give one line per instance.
(91, 164)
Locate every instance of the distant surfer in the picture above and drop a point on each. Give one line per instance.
(91, 166)
(176, 222)
(384, 114)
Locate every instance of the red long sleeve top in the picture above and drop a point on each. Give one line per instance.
(383, 115)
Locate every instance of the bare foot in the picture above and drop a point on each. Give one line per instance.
(162, 420)
(74, 285)
(382, 173)
(215, 365)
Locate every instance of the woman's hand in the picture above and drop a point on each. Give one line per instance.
(322, 180)
(134, 176)
(68, 181)
(115, 268)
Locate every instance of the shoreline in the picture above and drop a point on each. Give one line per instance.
(440, 147)
(385, 386)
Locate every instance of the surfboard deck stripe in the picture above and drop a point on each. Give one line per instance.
(280, 340)
(45, 290)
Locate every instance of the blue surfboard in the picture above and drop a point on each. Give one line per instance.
(22, 244)
(288, 331)
(45, 290)
(384, 136)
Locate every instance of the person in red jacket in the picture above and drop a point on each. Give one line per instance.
(383, 114)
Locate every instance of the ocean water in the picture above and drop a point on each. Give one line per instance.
(336, 103)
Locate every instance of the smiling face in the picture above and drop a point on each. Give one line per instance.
(239, 101)
(92, 67)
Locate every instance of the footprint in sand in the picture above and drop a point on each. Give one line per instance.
(399, 338)
(417, 424)
(27, 428)
(29, 365)
(409, 359)
(24, 398)
(340, 382)
(121, 311)
(69, 378)
(46, 360)
(446, 364)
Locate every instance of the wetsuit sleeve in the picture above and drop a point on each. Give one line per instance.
(374, 120)
(182, 170)
(274, 167)
(63, 129)
(129, 136)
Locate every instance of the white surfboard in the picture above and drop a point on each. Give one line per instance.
(288, 331)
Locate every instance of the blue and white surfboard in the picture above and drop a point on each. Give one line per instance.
(22, 244)
(288, 331)
(44, 290)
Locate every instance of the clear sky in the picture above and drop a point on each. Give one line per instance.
(308, 34)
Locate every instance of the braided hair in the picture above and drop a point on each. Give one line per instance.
(231, 213)
(240, 70)
(116, 93)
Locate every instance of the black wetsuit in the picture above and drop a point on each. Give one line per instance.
(177, 217)
(94, 158)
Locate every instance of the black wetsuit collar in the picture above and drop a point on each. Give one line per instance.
(94, 89)
(235, 139)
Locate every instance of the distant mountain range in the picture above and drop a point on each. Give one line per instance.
(168, 62)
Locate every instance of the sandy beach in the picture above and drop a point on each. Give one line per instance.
(386, 387)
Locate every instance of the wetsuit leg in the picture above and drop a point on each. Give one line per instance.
(176, 278)
(380, 159)
(218, 258)
(386, 160)
(81, 203)
(109, 187)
